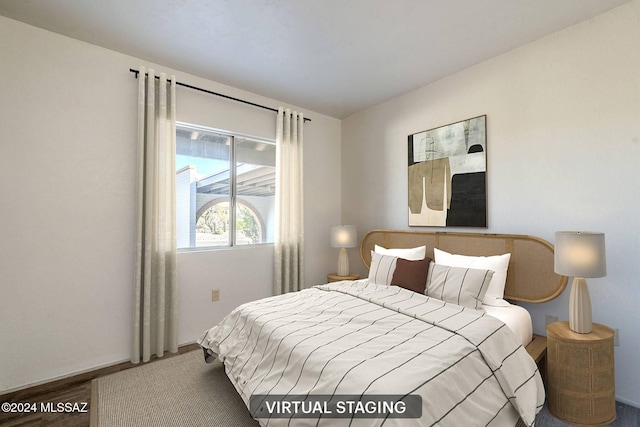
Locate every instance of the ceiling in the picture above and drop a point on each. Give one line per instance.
(335, 57)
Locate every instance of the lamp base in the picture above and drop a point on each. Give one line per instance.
(343, 263)
(580, 307)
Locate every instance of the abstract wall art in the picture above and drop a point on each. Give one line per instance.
(448, 175)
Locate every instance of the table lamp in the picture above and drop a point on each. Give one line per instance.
(343, 236)
(580, 254)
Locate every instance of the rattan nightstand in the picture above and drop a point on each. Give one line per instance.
(581, 374)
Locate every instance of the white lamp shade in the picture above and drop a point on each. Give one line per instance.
(580, 254)
(344, 236)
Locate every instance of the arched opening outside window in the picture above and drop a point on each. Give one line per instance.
(212, 226)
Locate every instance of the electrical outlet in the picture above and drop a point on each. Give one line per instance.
(215, 295)
(551, 319)
(616, 338)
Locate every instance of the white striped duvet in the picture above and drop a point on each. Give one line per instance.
(356, 338)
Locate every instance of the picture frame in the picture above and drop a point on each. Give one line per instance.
(447, 175)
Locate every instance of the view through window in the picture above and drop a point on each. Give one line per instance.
(225, 188)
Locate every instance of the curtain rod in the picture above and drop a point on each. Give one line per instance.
(136, 72)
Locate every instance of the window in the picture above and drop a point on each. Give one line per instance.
(225, 188)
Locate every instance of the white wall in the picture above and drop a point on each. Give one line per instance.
(67, 205)
(563, 124)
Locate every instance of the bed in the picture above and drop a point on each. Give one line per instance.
(311, 358)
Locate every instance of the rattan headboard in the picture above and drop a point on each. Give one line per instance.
(530, 277)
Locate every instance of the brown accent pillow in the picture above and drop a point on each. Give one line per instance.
(411, 275)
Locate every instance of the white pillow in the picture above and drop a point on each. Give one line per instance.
(411, 254)
(498, 263)
(382, 268)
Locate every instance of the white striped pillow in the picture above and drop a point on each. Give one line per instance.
(458, 285)
(382, 268)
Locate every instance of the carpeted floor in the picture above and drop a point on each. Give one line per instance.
(185, 389)
(167, 393)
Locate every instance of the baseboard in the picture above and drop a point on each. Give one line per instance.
(628, 403)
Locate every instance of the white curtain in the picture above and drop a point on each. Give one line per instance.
(289, 239)
(155, 316)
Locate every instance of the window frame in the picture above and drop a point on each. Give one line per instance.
(232, 197)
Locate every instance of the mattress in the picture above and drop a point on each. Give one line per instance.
(516, 318)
